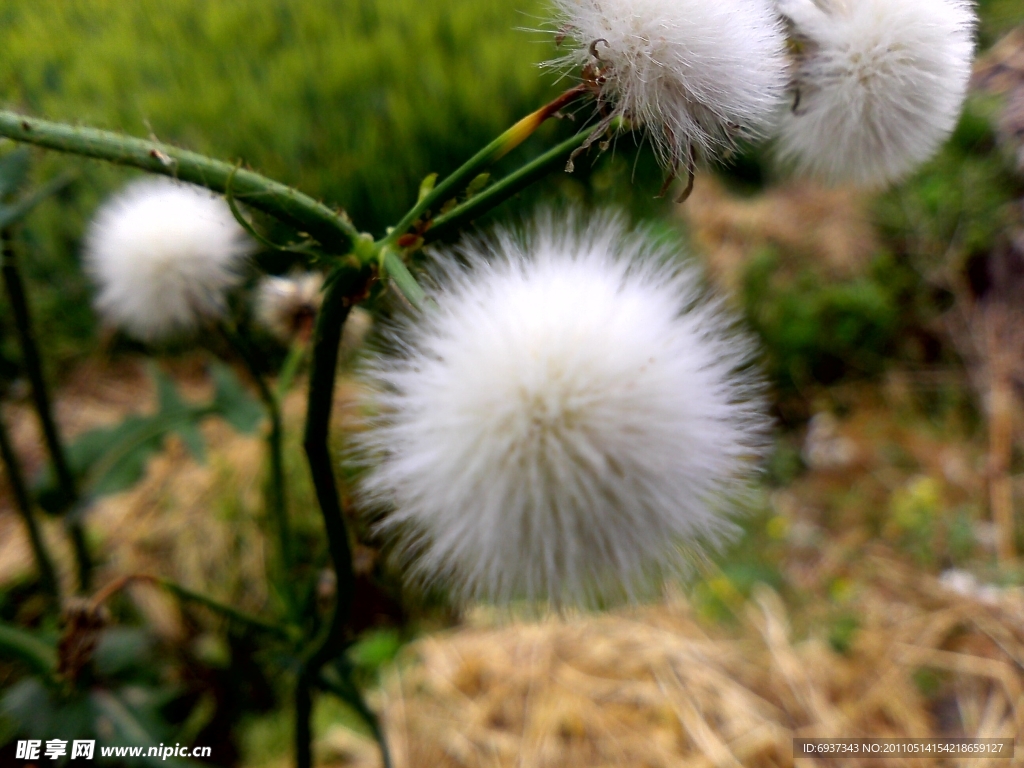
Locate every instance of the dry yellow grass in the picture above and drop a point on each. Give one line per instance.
(652, 687)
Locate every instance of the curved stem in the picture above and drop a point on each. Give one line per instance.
(23, 501)
(44, 408)
(332, 229)
(493, 152)
(342, 287)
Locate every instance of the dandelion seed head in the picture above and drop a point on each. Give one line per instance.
(698, 76)
(880, 85)
(565, 425)
(163, 254)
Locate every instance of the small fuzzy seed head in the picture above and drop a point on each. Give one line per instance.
(697, 75)
(287, 306)
(163, 254)
(879, 85)
(567, 422)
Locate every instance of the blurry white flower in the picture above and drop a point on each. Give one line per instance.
(287, 306)
(697, 74)
(879, 85)
(163, 254)
(566, 422)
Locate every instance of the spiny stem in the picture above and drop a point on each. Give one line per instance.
(44, 409)
(342, 288)
(493, 152)
(332, 229)
(23, 501)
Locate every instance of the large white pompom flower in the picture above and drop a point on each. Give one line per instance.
(879, 85)
(163, 254)
(566, 422)
(697, 74)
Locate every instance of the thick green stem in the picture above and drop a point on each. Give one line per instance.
(342, 288)
(44, 408)
(332, 229)
(23, 501)
(511, 185)
(493, 152)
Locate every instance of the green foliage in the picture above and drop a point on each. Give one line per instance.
(111, 459)
(816, 331)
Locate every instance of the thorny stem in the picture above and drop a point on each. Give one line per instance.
(23, 501)
(41, 397)
(343, 287)
(332, 229)
(493, 152)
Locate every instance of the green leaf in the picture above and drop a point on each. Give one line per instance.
(14, 167)
(232, 400)
(20, 645)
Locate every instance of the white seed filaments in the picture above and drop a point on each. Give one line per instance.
(287, 305)
(696, 75)
(163, 255)
(878, 85)
(564, 425)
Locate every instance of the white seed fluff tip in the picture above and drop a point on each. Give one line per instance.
(881, 84)
(287, 306)
(697, 74)
(565, 424)
(163, 254)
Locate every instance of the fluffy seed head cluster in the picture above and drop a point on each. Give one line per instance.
(564, 424)
(880, 85)
(287, 306)
(163, 254)
(696, 74)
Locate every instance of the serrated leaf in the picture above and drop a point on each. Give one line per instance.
(14, 167)
(233, 402)
(476, 186)
(427, 186)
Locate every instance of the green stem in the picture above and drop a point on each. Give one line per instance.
(23, 501)
(332, 229)
(277, 496)
(185, 594)
(511, 185)
(348, 282)
(493, 152)
(393, 266)
(41, 396)
(337, 679)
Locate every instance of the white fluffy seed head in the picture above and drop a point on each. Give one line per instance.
(879, 85)
(287, 306)
(698, 75)
(163, 254)
(566, 424)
